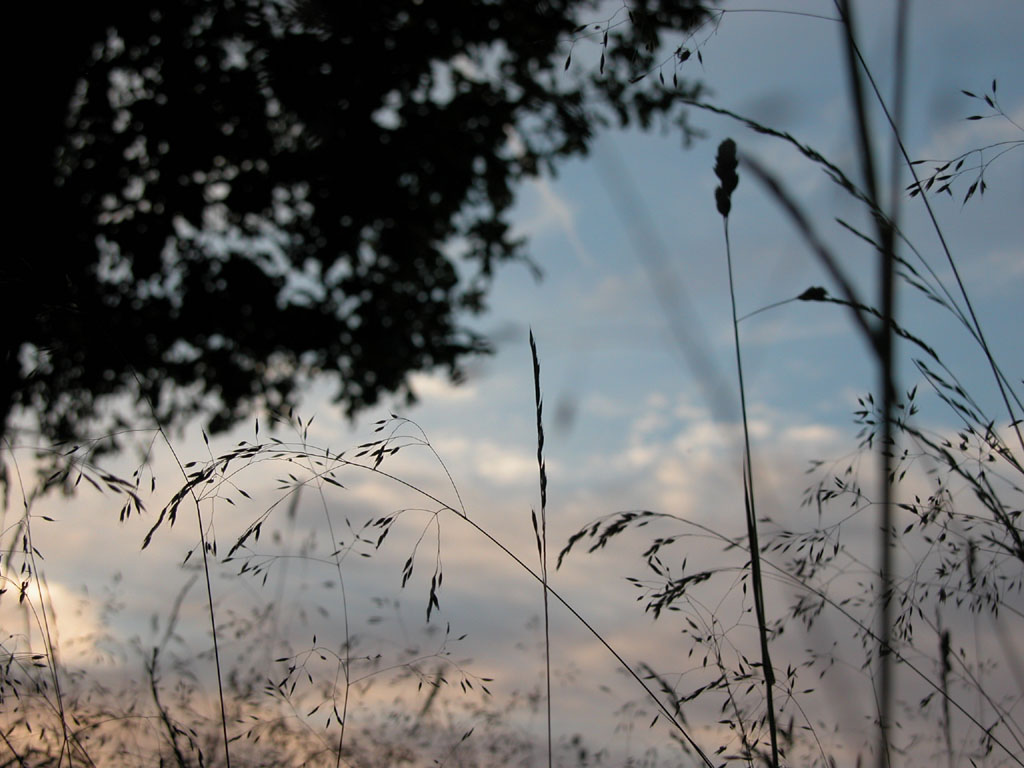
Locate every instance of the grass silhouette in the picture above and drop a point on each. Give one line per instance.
(341, 701)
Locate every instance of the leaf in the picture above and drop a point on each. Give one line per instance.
(968, 93)
(970, 191)
(568, 60)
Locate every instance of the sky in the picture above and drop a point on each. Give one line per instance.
(633, 259)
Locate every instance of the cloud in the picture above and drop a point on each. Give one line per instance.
(503, 465)
(74, 613)
(814, 435)
(437, 388)
(675, 458)
(491, 461)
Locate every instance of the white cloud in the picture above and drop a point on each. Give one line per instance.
(676, 459)
(811, 435)
(491, 461)
(504, 466)
(434, 387)
(73, 619)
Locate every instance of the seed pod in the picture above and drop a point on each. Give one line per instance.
(725, 170)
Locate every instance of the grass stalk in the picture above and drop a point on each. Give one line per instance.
(725, 168)
(52, 662)
(883, 345)
(607, 526)
(213, 629)
(346, 659)
(206, 573)
(165, 719)
(461, 515)
(879, 329)
(973, 325)
(542, 534)
(69, 742)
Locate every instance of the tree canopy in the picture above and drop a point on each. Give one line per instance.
(217, 199)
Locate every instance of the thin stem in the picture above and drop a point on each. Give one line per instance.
(787, 577)
(70, 740)
(10, 746)
(748, 494)
(336, 562)
(558, 597)
(51, 655)
(841, 179)
(543, 537)
(213, 624)
(165, 719)
(206, 573)
(765, 309)
(814, 242)
(885, 340)
(976, 330)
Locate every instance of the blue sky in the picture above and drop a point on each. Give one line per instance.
(628, 423)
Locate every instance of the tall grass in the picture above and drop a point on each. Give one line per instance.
(317, 704)
(725, 169)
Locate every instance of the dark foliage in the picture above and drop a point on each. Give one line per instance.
(217, 200)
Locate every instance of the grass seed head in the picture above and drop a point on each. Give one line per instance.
(725, 170)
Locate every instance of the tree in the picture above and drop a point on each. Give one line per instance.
(219, 200)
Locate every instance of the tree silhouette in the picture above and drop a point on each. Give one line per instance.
(219, 200)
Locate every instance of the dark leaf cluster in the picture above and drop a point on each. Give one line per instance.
(220, 200)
